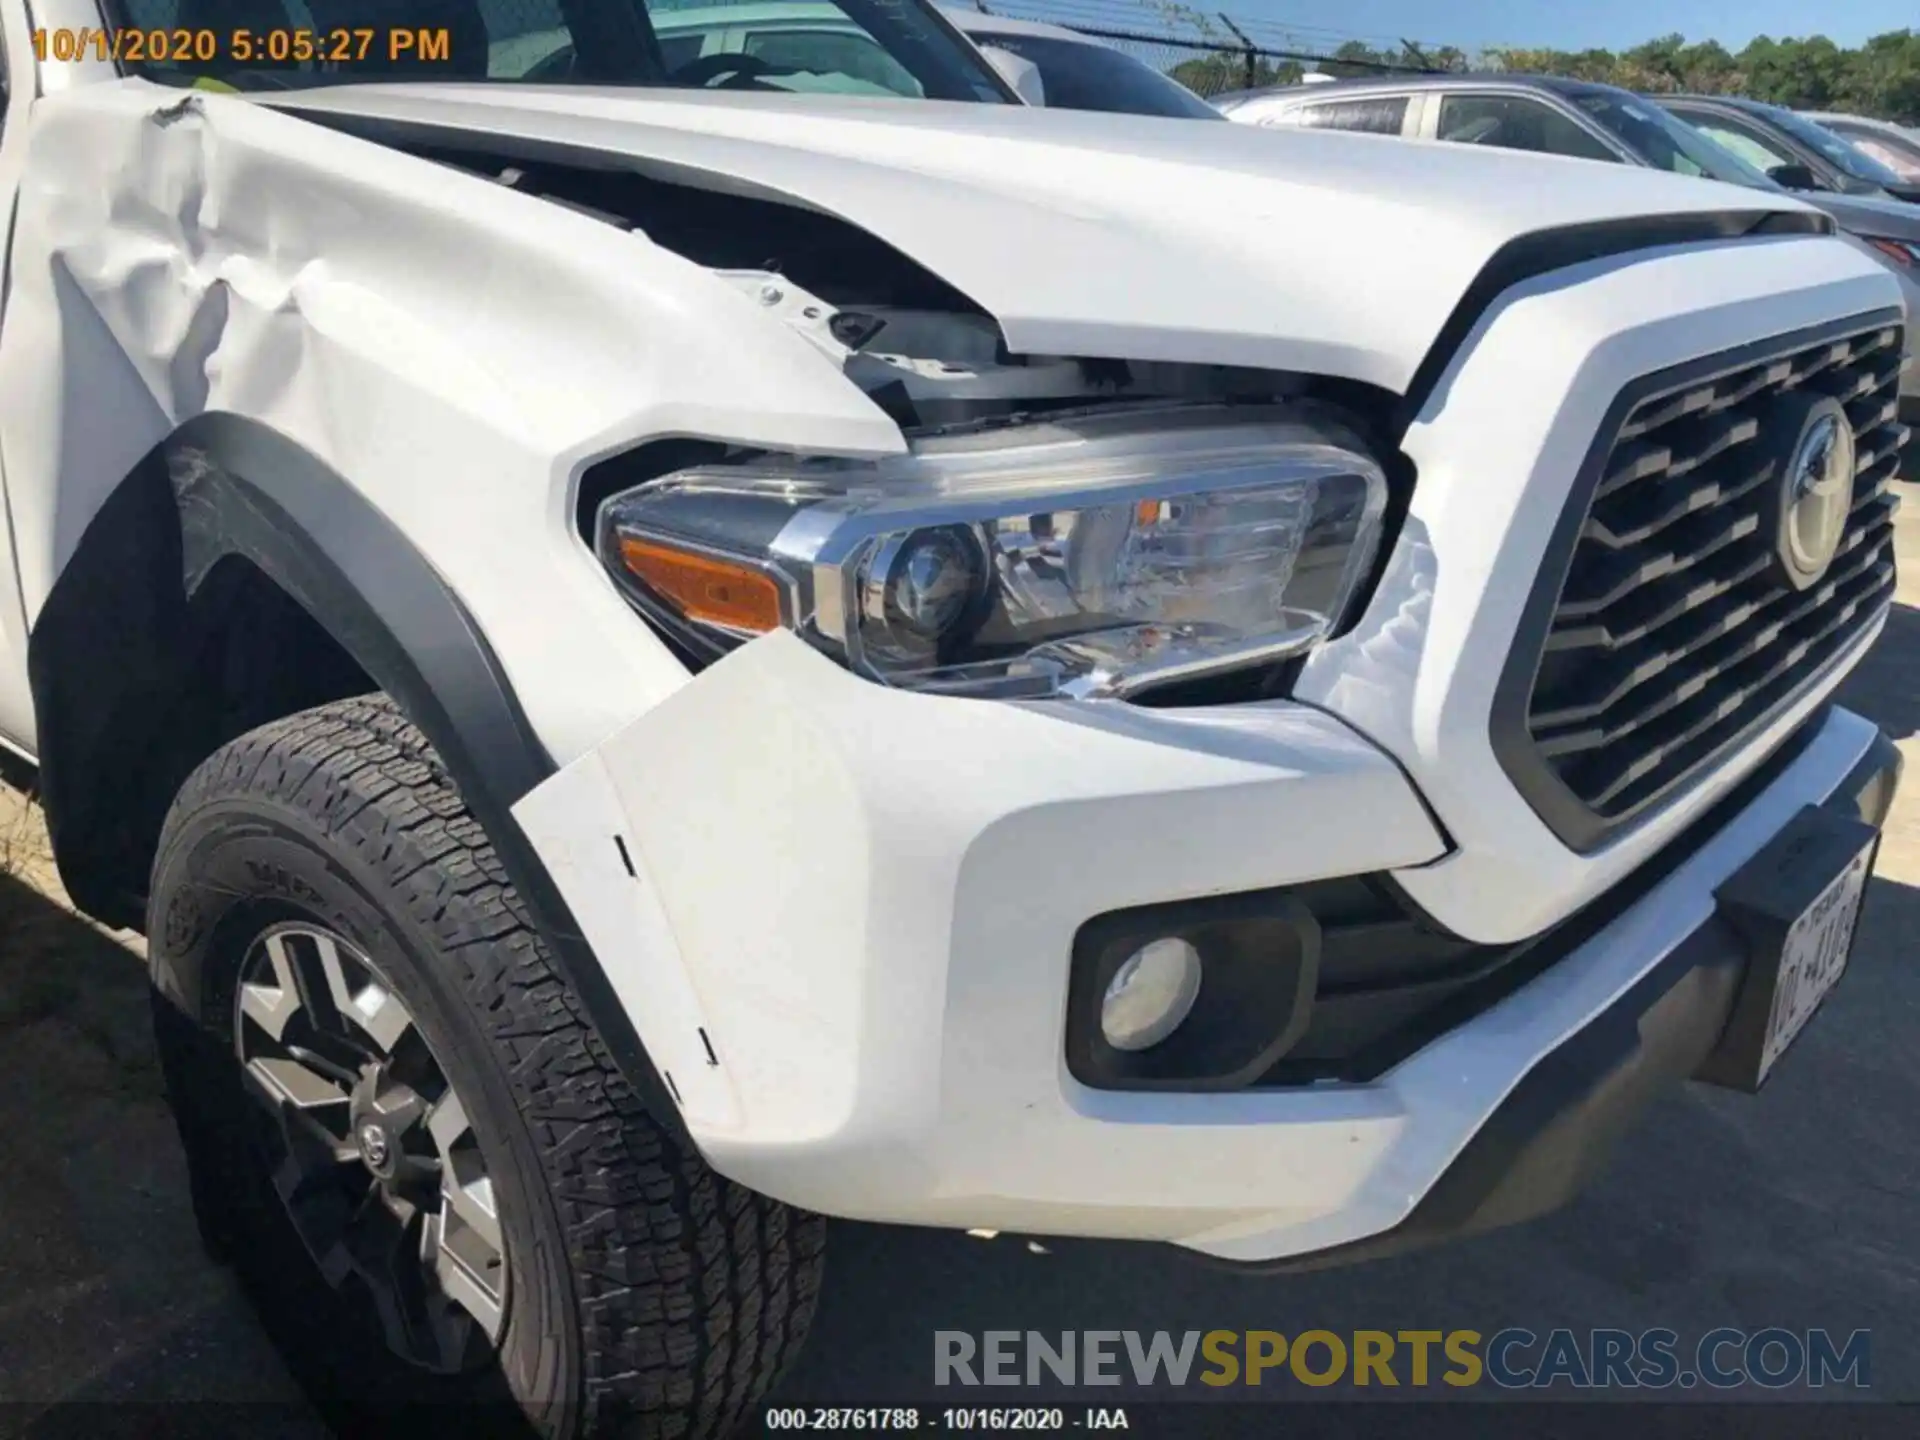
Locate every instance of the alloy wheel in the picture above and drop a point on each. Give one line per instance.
(370, 1148)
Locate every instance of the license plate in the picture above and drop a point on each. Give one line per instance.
(1813, 957)
(1794, 906)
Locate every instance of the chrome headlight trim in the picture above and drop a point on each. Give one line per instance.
(1198, 491)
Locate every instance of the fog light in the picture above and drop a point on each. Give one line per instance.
(1151, 994)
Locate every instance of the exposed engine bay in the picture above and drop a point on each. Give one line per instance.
(926, 353)
(929, 356)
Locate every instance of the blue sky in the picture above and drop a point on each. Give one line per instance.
(1571, 25)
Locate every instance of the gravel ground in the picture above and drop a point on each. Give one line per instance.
(1795, 1209)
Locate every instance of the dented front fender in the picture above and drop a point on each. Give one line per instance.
(458, 351)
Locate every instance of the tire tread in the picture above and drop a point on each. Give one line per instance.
(692, 1292)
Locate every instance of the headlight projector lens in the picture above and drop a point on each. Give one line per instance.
(920, 587)
(1151, 994)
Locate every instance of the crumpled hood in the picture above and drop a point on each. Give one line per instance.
(1103, 235)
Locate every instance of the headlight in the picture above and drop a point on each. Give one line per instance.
(1090, 555)
(1901, 252)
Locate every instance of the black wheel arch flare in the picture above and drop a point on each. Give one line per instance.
(1541, 252)
(117, 618)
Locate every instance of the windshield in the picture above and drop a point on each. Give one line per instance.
(1836, 152)
(1080, 75)
(1896, 152)
(1666, 142)
(833, 47)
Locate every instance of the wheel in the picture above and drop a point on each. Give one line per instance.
(405, 1135)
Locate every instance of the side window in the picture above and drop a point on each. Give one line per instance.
(832, 52)
(1745, 143)
(678, 50)
(522, 34)
(1514, 122)
(213, 15)
(510, 19)
(1376, 115)
(1904, 163)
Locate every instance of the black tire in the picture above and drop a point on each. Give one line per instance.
(647, 1295)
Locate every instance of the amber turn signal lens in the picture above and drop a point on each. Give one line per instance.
(705, 588)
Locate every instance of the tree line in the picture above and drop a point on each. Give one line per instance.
(1880, 77)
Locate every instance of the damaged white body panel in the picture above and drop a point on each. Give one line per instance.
(205, 254)
(1093, 234)
(847, 919)
(400, 320)
(844, 827)
(865, 920)
(852, 964)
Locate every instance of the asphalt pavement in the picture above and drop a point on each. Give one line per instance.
(1799, 1208)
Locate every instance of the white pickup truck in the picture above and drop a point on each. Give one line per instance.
(661, 650)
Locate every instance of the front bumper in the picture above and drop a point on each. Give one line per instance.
(842, 918)
(1554, 1130)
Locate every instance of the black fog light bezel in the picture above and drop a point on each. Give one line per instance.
(1259, 970)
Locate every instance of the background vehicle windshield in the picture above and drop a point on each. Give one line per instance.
(1896, 152)
(1082, 76)
(834, 47)
(1853, 163)
(1665, 141)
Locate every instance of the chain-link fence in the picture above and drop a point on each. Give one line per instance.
(1212, 67)
(1212, 53)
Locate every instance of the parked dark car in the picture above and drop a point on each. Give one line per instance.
(1796, 151)
(1081, 72)
(1895, 146)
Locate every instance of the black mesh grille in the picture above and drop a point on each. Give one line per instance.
(1675, 632)
(1382, 970)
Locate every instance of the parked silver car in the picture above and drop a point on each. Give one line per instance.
(1585, 121)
